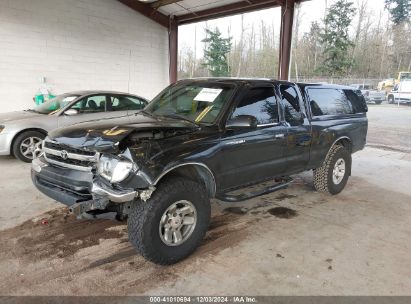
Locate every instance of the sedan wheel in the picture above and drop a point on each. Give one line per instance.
(31, 147)
(27, 145)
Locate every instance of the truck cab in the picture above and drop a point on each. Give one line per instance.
(401, 93)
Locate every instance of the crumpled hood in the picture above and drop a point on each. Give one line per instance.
(17, 115)
(105, 135)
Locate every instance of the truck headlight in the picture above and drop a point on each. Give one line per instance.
(113, 169)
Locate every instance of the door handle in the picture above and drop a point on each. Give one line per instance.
(279, 135)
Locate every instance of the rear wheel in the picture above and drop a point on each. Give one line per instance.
(27, 145)
(172, 223)
(333, 174)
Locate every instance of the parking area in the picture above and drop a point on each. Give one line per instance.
(291, 242)
(389, 127)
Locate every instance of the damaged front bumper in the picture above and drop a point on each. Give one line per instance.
(79, 190)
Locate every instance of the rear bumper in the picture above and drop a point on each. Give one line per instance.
(72, 187)
(374, 99)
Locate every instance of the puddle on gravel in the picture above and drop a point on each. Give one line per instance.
(61, 236)
(282, 212)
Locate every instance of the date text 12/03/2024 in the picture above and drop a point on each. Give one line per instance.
(199, 299)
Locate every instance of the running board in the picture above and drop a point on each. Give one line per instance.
(249, 195)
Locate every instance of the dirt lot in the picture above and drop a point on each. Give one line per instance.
(292, 242)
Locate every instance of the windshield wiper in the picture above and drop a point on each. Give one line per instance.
(145, 112)
(176, 116)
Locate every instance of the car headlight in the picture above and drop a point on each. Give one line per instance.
(113, 169)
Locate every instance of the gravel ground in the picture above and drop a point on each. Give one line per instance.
(291, 242)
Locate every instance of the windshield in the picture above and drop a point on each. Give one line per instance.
(405, 76)
(55, 104)
(197, 102)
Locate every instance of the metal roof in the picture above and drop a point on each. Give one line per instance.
(192, 6)
(189, 11)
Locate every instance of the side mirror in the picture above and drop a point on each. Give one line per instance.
(242, 122)
(71, 112)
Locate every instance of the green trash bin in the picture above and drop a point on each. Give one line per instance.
(38, 99)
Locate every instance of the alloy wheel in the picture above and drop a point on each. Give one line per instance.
(339, 171)
(31, 147)
(178, 223)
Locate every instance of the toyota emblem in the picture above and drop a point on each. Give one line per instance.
(64, 154)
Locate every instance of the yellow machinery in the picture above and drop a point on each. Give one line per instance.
(387, 84)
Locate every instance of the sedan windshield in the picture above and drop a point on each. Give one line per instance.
(196, 102)
(55, 104)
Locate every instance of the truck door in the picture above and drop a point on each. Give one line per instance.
(251, 155)
(298, 128)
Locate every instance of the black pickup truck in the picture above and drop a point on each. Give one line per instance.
(201, 139)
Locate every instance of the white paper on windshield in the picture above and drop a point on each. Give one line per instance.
(208, 95)
(70, 98)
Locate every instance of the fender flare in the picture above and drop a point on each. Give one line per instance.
(337, 140)
(210, 173)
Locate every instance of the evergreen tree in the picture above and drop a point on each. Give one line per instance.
(400, 10)
(335, 39)
(215, 53)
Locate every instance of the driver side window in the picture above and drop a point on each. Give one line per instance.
(91, 104)
(290, 101)
(260, 103)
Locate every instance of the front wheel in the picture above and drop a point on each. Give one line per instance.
(391, 99)
(27, 145)
(333, 174)
(172, 223)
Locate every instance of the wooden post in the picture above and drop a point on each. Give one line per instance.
(287, 17)
(173, 49)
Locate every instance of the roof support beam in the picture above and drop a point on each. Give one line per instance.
(160, 3)
(147, 10)
(287, 18)
(228, 10)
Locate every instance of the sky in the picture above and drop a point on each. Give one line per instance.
(310, 11)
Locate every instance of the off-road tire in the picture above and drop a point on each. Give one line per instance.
(323, 181)
(15, 149)
(144, 219)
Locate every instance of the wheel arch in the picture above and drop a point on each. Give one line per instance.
(344, 141)
(23, 131)
(195, 171)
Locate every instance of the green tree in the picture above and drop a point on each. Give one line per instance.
(400, 10)
(335, 40)
(215, 53)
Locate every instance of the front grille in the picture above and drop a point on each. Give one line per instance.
(69, 161)
(58, 147)
(69, 157)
